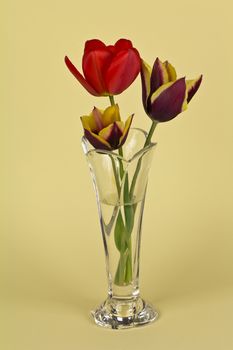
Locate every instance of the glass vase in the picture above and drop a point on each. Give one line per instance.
(120, 182)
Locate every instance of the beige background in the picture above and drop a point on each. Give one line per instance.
(52, 253)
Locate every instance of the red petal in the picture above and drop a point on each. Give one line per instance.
(111, 48)
(80, 78)
(93, 44)
(122, 71)
(123, 44)
(94, 65)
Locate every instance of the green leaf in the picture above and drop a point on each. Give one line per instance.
(120, 233)
(129, 218)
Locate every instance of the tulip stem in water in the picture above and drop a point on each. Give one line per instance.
(120, 151)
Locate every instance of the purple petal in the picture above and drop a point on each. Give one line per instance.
(159, 75)
(168, 104)
(114, 135)
(126, 130)
(192, 89)
(96, 141)
(98, 119)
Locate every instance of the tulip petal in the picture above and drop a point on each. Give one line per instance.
(80, 78)
(111, 48)
(112, 134)
(121, 125)
(122, 71)
(145, 79)
(192, 87)
(123, 44)
(89, 123)
(126, 130)
(94, 65)
(94, 44)
(96, 141)
(111, 115)
(159, 75)
(97, 115)
(171, 71)
(168, 101)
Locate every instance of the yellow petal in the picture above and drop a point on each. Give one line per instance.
(185, 103)
(145, 76)
(111, 115)
(170, 71)
(88, 122)
(105, 133)
(93, 121)
(121, 125)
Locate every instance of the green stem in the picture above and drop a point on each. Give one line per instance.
(124, 271)
(120, 151)
(111, 98)
(150, 134)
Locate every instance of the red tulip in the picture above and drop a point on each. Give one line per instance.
(107, 70)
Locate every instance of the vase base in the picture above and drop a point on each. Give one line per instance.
(121, 314)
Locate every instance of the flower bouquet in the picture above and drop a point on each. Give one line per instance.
(119, 158)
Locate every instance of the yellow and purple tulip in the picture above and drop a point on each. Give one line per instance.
(163, 95)
(105, 129)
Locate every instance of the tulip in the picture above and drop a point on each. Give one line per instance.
(104, 129)
(108, 70)
(164, 96)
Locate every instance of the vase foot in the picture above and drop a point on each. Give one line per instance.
(120, 314)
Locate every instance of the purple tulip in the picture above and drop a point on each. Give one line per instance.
(163, 95)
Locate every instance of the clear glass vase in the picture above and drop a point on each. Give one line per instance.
(120, 182)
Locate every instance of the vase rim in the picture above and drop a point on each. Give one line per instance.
(113, 152)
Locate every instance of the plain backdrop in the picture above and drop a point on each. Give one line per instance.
(53, 268)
